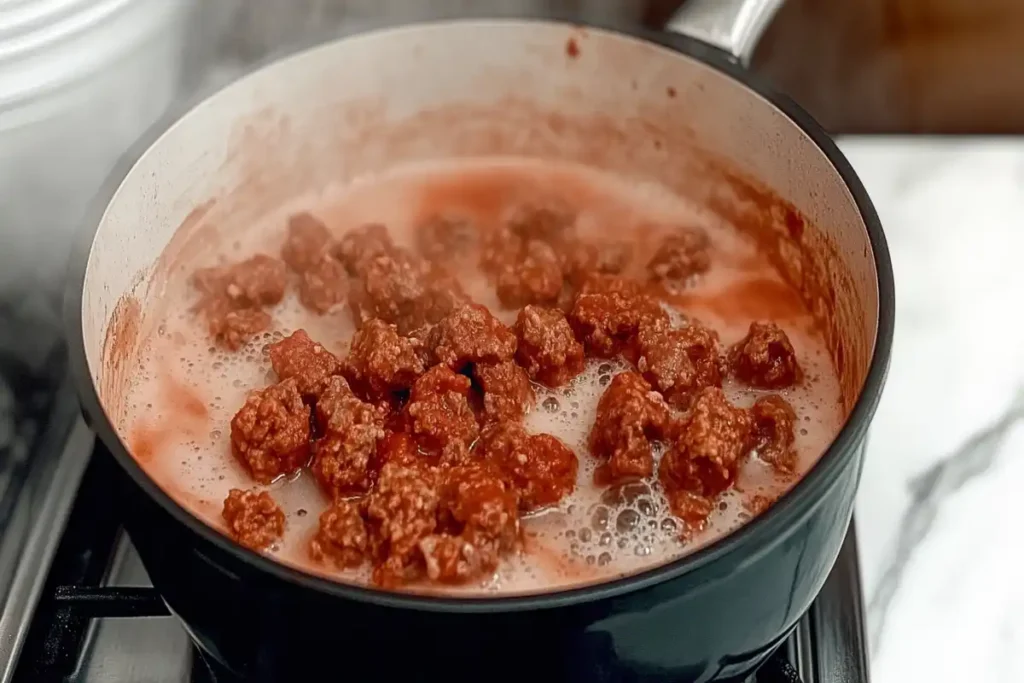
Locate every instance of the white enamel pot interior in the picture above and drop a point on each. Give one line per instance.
(543, 89)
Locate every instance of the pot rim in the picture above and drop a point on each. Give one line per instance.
(771, 524)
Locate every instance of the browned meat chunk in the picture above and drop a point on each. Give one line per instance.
(765, 358)
(323, 285)
(470, 334)
(444, 295)
(401, 511)
(549, 221)
(608, 313)
(547, 348)
(630, 416)
(381, 361)
(508, 393)
(480, 521)
(535, 277)
(357, 248)
(440, 417)
(541, 468)
(307, 240)
(257, 281)
(682, 255)
(480, 507)
(233, 327)
(679, 362)
(453, 559)
(711, 445)
(500, 250)
(231, 297)
(581, 260)
(253, 519)
(307, 362)
(446, 238)
(398, 447)
(270, 434)
(350, 429)
(693, 508)
(544, 224)
(772, 436)
(391, 288)
(399, 289)
(342, 537)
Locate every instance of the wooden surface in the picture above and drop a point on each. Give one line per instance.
(949, 66)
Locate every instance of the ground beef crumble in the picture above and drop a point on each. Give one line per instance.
(470, 334)
(765, 358)
(358, 247)
(342, 537)
(609, 311)
(232, 297)
(256, 281)
(480, 521)
(233, 327)
(401, 289)
(772, 435)
(323, 286)
(709, 449)
(381, 361)
(678, 362)
(581, 259)
(542, 468)
(508, 394)
(680, 256)
(299, 358)
(440, 417)
(350, 429)
(306, 241)
(253, 518)
(534, 277)
(631, 416)
(547, 348)
(549, 221)
(445, 239)
(270, 433)
(401, 511)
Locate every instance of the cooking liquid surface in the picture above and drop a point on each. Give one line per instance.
(186, 392)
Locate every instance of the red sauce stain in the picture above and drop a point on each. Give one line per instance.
(182, 413)
(572, 48)
(183, 400)
(482, 194)
(119, 347)
(671, 91)
(146, 442)
(752, 299)
(794, 224)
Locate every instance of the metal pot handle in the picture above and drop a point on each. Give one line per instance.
(734, 26)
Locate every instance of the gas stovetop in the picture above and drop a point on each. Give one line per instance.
(78, 606)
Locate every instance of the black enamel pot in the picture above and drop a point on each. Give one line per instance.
(681, 110)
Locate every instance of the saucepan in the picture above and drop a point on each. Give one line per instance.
(676, 107)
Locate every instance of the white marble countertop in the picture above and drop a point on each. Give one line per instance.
(941, 546)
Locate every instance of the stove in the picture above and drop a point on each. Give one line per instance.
(78, 606)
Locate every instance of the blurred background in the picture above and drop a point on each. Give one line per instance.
(80, 80)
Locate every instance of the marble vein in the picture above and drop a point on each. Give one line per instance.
(927, 492)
